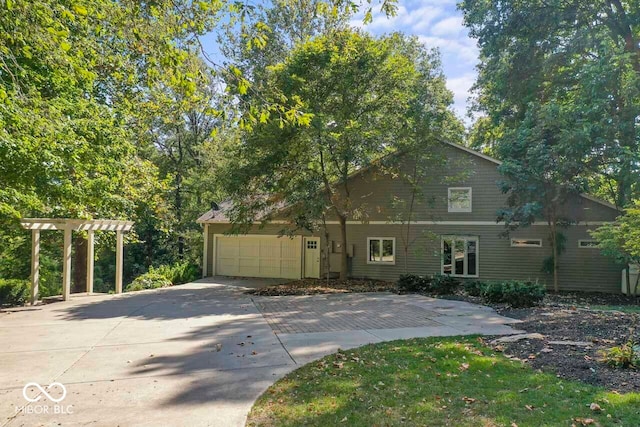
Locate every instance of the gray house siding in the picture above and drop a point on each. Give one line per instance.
(374, 193)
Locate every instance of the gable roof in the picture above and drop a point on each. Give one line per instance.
(220, 215)
(498, 162)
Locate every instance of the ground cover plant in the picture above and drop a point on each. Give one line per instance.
(452, 381)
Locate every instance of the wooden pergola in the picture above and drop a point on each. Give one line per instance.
(68, 226)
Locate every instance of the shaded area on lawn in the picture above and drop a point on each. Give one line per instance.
(456, 381)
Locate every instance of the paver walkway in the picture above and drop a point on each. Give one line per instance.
(197, 354)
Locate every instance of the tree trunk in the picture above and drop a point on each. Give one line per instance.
(344, 263)
(628, 277)
(554, 244)
(79, 268)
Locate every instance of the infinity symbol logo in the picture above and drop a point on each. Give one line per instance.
(44, 392)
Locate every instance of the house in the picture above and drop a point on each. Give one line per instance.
(453, 231)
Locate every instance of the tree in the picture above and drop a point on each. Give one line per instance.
(582, 57)
(541, 176)
(356, 94)
(621, 241)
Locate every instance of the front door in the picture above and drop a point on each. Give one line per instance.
(312, 257)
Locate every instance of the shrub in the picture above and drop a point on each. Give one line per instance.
(625, 356)
(412, 283)
(492, 292)
(150, 280)
(13, 292)
(474, 287)
(443, 284)
(178, 273)
(515, 293)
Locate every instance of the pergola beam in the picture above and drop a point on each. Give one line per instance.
(76, 224)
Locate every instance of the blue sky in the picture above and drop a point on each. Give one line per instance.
(437, 23)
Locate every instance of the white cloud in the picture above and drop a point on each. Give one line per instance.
(459, 49)
(451, 26)
(461, 88)
(410, 22)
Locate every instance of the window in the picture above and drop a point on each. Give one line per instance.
(312, 244)
(526, 243)
(459, 199)
(588, 244)
(381, 250)
(460, 256)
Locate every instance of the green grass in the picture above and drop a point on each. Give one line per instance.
(434, 382)
(622, 308)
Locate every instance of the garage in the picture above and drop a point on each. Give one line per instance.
(258, 256)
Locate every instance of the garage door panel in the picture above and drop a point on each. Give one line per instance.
(259, 256)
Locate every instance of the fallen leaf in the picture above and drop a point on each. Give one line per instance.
(595, 407)
(338, 365)
(529, 407)
(464, 367)
(468, 399)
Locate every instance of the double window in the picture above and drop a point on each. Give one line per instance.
(459, 199)
(460, 256)
(381, 250)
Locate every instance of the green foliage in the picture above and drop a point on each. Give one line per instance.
(13, 292)
(515, 293)
(474, 288)
(565, 85)
(150, 280)
(179, 273)
(626, 356)
(443, 284)
(411, 283)
(390, 381)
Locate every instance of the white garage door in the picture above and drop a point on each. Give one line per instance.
(258, 256)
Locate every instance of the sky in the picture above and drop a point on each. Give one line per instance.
(437, 23)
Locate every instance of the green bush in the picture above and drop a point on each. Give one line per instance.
(474, 287)
(625, 356)
(178, 273)
(150, 280)
(443, 284)
(13, 292)
(515, 293)
(412, 283)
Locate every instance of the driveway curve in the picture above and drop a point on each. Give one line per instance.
(197, 354)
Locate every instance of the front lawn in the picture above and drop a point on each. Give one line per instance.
(436, 382)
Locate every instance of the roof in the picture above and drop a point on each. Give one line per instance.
(498, 162)
(219, 216)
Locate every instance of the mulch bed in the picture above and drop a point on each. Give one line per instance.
(601, 329)
(322, 286)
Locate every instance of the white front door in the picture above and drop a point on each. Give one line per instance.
(312, 257)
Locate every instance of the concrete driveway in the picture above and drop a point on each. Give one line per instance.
(196, 354)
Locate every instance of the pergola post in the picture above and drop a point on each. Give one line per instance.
(205, 251)
(90, 261)
(35, 265)
(119, 262)
(66, 265)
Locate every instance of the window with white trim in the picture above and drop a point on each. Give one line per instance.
(526, 243)
(588, 244)
(460, 256)
(381, 250)
(459, 199)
